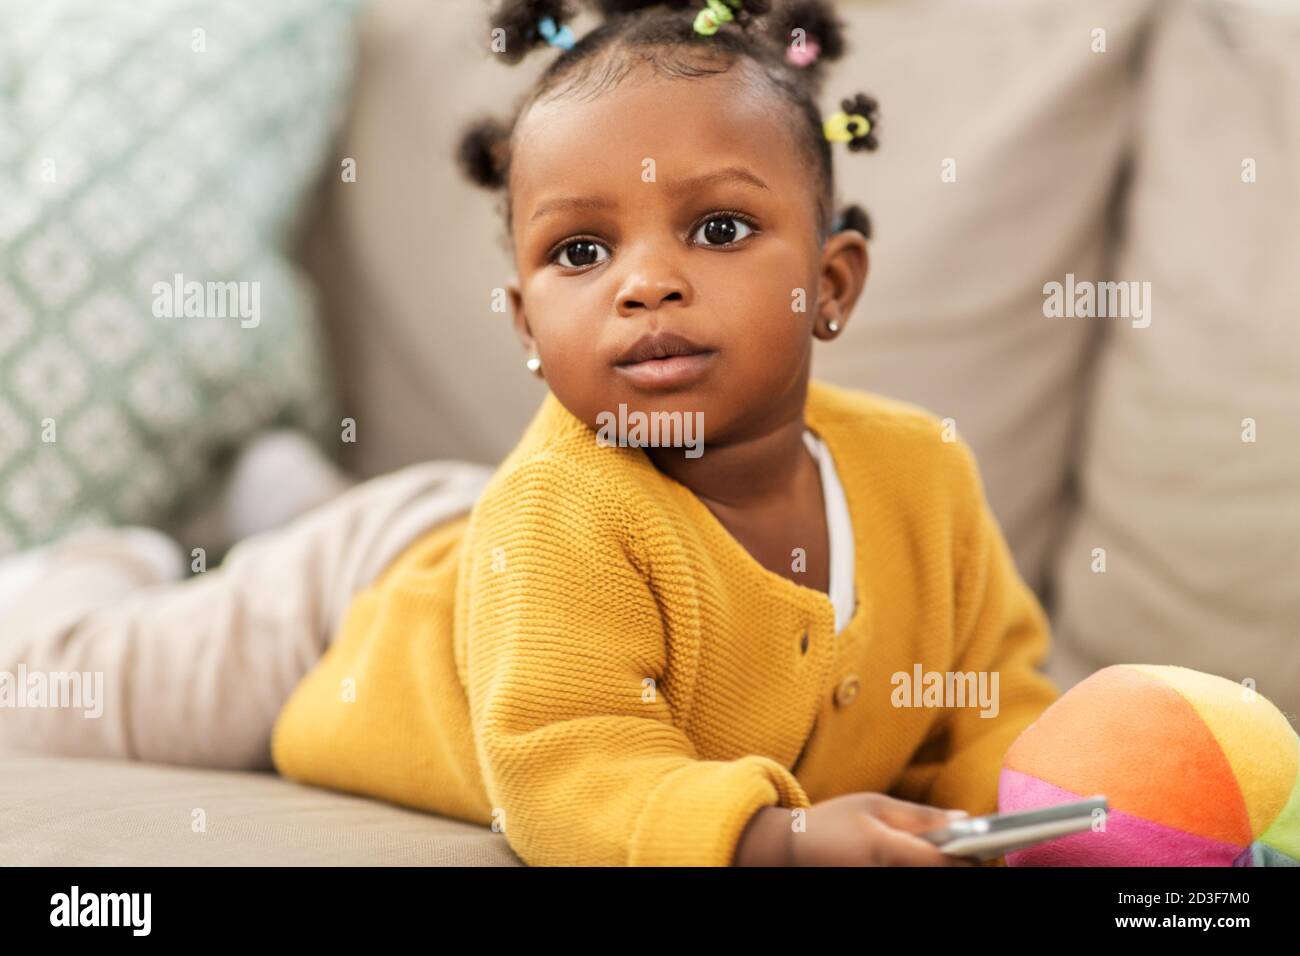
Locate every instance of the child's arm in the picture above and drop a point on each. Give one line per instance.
(578, 751)
(999, 628)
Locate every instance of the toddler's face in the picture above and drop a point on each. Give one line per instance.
(683, 207)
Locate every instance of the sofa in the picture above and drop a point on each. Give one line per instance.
(1144, 467)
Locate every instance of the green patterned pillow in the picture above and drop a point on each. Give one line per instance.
(148, 148)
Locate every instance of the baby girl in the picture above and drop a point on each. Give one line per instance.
(634, 652)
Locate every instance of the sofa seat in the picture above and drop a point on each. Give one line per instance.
(80, 811)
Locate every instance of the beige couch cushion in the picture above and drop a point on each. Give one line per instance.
(1201, 529)
(1037, 124)
(70, 811)
(409, 254)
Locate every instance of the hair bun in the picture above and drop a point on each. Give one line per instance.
(853, 216)
(823, 32)
(865, 106)
(519, 19)
(482, 152)
(754, 8)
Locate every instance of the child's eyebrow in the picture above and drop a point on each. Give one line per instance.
(737, 174)
(725, 174)
(579, 202)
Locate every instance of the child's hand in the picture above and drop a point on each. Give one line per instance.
(870, 829)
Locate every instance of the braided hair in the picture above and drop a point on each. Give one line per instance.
(664, 34)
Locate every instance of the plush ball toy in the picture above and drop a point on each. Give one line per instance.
(1198, 771)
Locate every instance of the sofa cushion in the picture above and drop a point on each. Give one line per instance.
(1190, 479)
(72, 811)
(1004, 129)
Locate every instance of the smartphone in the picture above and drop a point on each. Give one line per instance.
(985, 838)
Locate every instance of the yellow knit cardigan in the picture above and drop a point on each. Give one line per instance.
(591, 663)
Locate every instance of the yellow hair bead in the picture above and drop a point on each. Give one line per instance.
(845, 127)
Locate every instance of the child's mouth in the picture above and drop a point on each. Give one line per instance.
(664, 360)
(673, 371)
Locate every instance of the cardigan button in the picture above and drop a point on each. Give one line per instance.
(847, 692)
(803, 643)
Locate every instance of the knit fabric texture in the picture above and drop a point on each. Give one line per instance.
(592, 664)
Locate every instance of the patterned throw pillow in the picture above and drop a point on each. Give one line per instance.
(153, 155)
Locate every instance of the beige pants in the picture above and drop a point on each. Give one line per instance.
(195, 671)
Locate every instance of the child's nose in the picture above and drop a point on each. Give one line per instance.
(649, 296)
(652, 279)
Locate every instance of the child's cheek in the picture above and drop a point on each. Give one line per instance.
(772, 298)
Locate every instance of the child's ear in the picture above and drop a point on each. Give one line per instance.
(517, 315)
(844, 272)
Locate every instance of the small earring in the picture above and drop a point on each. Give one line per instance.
(534, 365)
(833, 325)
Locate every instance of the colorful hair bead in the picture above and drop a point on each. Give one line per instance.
(803, 55)
(555, 36)
(855, 124)
(716, 13)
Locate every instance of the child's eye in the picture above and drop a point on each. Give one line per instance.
(580, 252)
(722, 229)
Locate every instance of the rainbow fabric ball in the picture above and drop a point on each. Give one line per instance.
(1198, 771)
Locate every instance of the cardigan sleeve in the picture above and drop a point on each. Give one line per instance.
(565, 655)
(999, 629)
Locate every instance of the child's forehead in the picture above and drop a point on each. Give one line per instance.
(680, 124)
